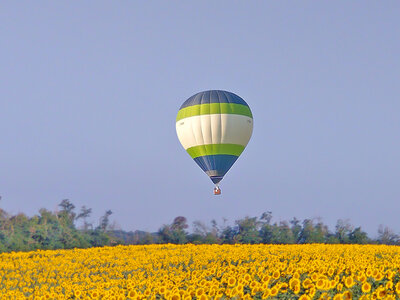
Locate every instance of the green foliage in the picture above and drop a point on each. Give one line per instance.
(53, 230)
(253, 230)
(174, 233)
(357, 236)
(248, 231)
(58, 230)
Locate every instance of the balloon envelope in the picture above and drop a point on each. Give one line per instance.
(214, 127)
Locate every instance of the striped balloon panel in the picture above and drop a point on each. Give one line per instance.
(216, 166)
(214, 127)
(214, 96)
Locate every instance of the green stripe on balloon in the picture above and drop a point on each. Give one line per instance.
(215, 149)
(214, 108)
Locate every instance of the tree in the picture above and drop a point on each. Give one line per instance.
(311, 233)
(67, 213)
(84, 214)
(387, 236)
(178, 227)
(296, 228)
(49, 230)
(280, 233)
(321, 232)
(98, 238)
(179, 223)
(213, 235)
(174, 233)
(268, 233)
(248, 230)
(165, 234)
(285, 233)
(357, 236)
(199, 234)
(147, 239)
(266, 217)
(203, 234)
(229, 235)
(2, 212)
(343, 229)
(3, 218)
(67, 206)
(105, 220)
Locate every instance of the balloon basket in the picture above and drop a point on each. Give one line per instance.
(217, 191)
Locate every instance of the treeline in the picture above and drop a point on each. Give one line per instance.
(54, 230)
(59, 230)
(255, 230)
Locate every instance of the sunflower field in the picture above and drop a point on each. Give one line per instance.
(169, 271)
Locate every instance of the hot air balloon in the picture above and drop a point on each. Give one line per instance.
(214, 127)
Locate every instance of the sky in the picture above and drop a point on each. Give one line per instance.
(89, 93)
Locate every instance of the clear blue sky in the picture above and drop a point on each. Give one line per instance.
(89, 93)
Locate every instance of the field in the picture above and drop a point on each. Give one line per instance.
(204, 272)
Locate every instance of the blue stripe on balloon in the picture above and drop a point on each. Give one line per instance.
(213, 96)
(216, 179)
(216, 166)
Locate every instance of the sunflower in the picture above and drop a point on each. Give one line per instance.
(199, 292)
(324, 296)
(389, 285)
(398, 287)
(390, 275)
(349, 282)
(312, 292)
(247, 297)
(320, 284)
(266, 278)
(332, 284)
(379, 276)
(265, 286)
(366, 287)
(212, 292)
(293, 282)
(274, 291)
(253, 284)
(306, 283)
(266, 294)
(314, 277)
(78, 293)
(382, 294)
(338, 297)
(231, 281)
(132, 294)
(362, 278)
(276, 275)
(235, 291)
(176, 297)
(347, 295)
(296, 289)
